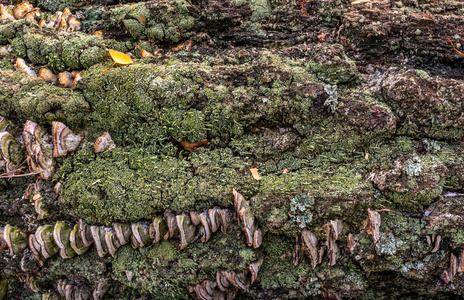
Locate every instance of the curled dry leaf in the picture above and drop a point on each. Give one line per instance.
(255, 174)
(192, 146)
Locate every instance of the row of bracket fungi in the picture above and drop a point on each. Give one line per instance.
(228, 283)
(64, 79)
(61, 21)
(309, 244)
(70, 290)
(246, 218)
(75, 290)
(41, 148)
(226, 286)
(48, 240)
(334, 230)
(372, 227)
(456, 265)
(68, 241)
(71, 240)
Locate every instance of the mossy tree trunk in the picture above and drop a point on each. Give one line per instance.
(351, 111)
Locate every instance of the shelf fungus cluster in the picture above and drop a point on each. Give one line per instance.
(64, 140)
(61, 21)
(13, 239)
(254, 236)
(435, 240)
(228, 283)
(68, 241)
(372, 225)
(63, 79)
(39, 150)
(10, 152)
(103, 143)
(76, 290)
(310, 244)
(456, 265)
(24, 10)
(334, 229)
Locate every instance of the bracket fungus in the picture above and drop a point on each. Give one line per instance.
(11, 152)
(436, 239)
(310, 243)
(38, 206)
(373, 225)
(76, 241)
(20, 65)
(47, 75)
(351, 243)
(4, 14)
(228, 283)
(104, 143)
(39, 150)
(64, 140)
(187, 230)
(14, 239)
(71, 290)
(247, 220)
(61, 235)
(448, 274)
(334, 229)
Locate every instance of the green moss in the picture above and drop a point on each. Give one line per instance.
(331, 64)
(457, 237)
(88, 266)
(60, 53)
(9, 30)
(156, 32)
(130, 184)
(135, 28)
(261, 9)
(277, 270)
(42, 102)
(73, 48)
(165, 272)
(16, 288)
(3, 287)
(56, 5)
(92, 56)
(159, 21)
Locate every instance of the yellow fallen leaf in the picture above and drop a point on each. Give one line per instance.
(285, 171)
(254, 173)
(119, 58)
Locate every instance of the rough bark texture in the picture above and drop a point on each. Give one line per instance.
(342, 107)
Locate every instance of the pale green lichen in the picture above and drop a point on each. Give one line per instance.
(300, 206)
(387, 244)
(332, 100)
(413, 166)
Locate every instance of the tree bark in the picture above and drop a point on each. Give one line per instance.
(330, 129)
